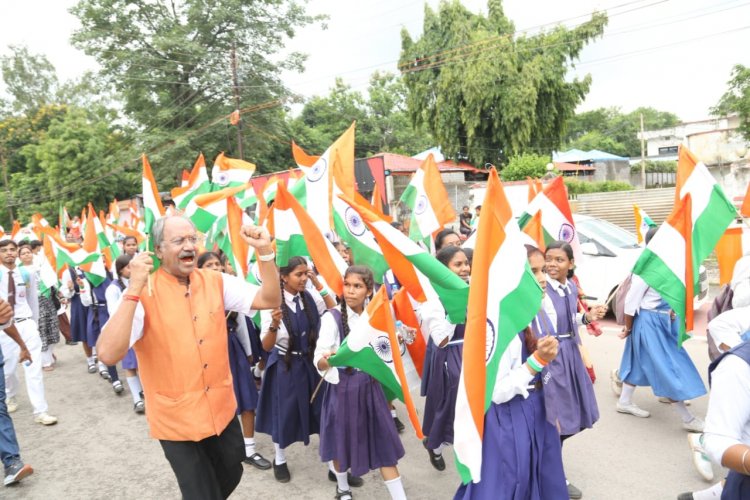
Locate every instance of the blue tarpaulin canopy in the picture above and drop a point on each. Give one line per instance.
(576, 156)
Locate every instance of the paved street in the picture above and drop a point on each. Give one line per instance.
(100, 448)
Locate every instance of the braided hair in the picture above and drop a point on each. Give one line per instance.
(528, 335)
(365, 273)
(309, 308)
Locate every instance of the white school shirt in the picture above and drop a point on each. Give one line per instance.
(329, 340)
(243, 335)
(728, 327)
(27, 305)
(549, 307)
(282, 336)
(640, 296)
(741, 282)
(512, 377)
(433, 321)
(112, 295)
(728, 417)
(238, 296)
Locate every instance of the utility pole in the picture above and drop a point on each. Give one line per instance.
(235, 84)
(4, 160)
(643, 154)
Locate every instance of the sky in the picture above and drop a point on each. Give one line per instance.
(673, 55)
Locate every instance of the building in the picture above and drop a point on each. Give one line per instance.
(592, 165)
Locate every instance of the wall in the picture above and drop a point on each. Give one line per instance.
(611, 170)
(719, 147)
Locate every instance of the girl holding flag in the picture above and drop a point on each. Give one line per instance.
(290, 334)
(356, 429)
(521, 451)
(444, 363)
(568, 391)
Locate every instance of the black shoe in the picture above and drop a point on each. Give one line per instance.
(139, 407)
(257, 461)
(343, 495)
(354, 481)
(435, 459)
(399, 425)
(685, 496)
(71, 342)
(281, 473)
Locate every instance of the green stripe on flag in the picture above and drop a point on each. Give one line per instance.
(369, 362)
(285, 249)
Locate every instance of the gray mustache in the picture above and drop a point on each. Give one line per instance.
(186, 254)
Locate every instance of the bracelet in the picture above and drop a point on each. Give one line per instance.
(323, 292)
(539, 360)
(267, 257)
(531, 361)
(134, 298)
(585, 320)
(744, 467)
(273, 329)
(319, 288)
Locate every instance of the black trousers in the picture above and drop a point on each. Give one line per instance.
(209, 469)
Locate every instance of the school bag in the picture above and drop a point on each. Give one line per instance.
(620, 294)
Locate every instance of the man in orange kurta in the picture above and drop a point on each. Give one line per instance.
(178, 331)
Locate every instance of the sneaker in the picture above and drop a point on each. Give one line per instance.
(574, 492)
(695, 425)
(139, 407)
(71, 342)
(614, 382)
(700, 460)
(257, 461)
(632, 409)
(662, 399)
(399, 425)
(11, 404)
(45, 419)
(117, 387)
(354, 481)
(343, 495)
(103, 373)
(92, 368)
(281, 473)
(436, 460)
(16, 471)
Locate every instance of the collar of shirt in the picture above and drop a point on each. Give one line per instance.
(558, 286)
(289, 299)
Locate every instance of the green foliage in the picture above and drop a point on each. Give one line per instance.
(523, 166)
(737, 98)
(170, 62)
(30, 79)
(487, 93)
(655, 166)
(610, 130)
(382, 121)
(576, 186)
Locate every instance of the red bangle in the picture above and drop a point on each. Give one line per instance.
(134, 298)
(539, 360)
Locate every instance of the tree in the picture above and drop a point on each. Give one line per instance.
(487, 93)
(30, 79)
(737, 99)
(523, 166)
(171, 64)
(611, 130)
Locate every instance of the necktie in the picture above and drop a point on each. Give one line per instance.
(11, 290)
(296, 322)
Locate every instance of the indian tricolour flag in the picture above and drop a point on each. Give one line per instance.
(231, 172)
(47, 276)
(548, 218)
(428, 201)
(197, 183)
(152, 206)
(297, 234)
(503, 300)
(67, 254)
(669, 263)
(419, 272)
(642, 223)
(372, 347)
(237, 251)
(208, 209)
(107, 247)
(95, 271)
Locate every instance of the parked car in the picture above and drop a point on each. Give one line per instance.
(609, 254)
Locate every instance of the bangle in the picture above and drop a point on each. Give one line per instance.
(531, 361)
(323, 292)
(319, 287)
(585, 320)
(539, 360)
(273, 329)
(267, 257)
(744, 467)
(134, 298)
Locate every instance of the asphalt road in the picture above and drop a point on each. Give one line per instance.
(101, 449)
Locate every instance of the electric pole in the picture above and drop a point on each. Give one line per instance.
(235, 84)
(8, 200)
(643, 154)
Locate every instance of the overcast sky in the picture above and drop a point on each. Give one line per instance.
(668, 54)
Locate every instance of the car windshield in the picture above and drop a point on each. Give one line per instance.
(611, 234)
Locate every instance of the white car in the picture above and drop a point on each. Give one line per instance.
(609, 254)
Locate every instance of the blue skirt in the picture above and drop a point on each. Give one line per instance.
(130, 362)
(442, 388)
(737, 487)
(429, 352)
(284, 409)
(356, 427)
(244, 385)
(78, 315)
(94, 324)
(521, 454)
(568, 391)
(652, 358)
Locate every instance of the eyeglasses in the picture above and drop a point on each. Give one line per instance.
(194, 240)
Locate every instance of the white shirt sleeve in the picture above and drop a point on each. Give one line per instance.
(433, 322)
(243, 335)
(136, 331)
(728, 417)
(320, 303)
(238, 294)
(112, 294)
(328, 341)
(637, 291)
(728, 327)
(64, 290)
(512, 376)
(85, 294)
(741, 282)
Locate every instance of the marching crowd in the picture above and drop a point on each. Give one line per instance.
(211, 359)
